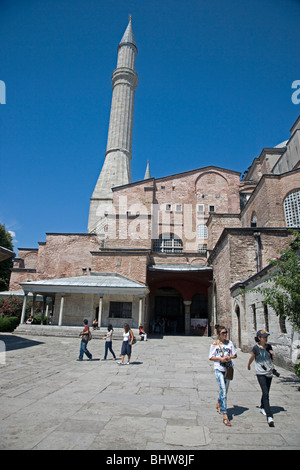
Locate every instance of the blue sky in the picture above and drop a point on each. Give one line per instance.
(215, 87)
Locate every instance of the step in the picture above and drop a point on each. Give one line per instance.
(67, 331)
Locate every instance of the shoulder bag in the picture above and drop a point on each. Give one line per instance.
(229, 368)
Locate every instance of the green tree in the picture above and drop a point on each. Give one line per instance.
(284, 293)
(5, 266)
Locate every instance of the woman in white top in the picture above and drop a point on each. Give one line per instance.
(108, 342)
(127, 343)
(221, 353)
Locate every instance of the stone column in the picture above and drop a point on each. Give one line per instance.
(141, 311)
(33, 304)
(61, 310)
(100, 310)
(187, 316)
(24, 308)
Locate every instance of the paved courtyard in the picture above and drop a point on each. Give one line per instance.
(164, 400)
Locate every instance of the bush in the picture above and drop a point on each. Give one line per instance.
(297, 369)
(38, 319)
(8, 324)
(12, 306)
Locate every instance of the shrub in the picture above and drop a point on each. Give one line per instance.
(38, 319)
(12, 306)
(8, 324)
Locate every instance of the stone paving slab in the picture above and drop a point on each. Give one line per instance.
(164, 400)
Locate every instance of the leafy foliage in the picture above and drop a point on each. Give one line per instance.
(284, 294)
(12, 307)
(5, 266)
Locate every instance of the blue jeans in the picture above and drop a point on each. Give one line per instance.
(84, 350)
(108, 346)
(224, 385)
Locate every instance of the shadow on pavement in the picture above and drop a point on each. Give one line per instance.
(16, 342)
(236, 411)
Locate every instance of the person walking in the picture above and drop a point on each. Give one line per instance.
(85, 337)
(262, 353)
(127, 344)
(221, 353)
(108, 343)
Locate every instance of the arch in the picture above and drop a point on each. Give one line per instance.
(211, 173)
(253, 222)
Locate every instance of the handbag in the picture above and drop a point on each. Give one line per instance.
(229, 368)
(86, 337)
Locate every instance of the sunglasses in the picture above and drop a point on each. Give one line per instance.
(223, 333)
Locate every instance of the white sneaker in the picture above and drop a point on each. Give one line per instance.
(127, 363)
(263, 412)
(271, 422)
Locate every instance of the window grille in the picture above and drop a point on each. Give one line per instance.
(202, 248)
(168, 243)
(292, 209)
(120, 310)
(202, 231)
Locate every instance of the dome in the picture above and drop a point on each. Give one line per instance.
(283, 144)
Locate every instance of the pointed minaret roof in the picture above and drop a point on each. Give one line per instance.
(147, 174)
(128, 36)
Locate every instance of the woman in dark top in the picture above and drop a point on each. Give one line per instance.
(262, 354)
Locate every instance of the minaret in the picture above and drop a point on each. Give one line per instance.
(116, 170)
(147, 172)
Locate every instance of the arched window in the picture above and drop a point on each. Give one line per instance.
(168, 243)
(292, 209)
(202, 231)
(254, 220)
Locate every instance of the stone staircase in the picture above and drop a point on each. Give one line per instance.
(67, 331)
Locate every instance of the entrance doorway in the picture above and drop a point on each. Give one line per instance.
(199, 315)
(167, 314)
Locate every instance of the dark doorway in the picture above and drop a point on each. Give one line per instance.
(199, 315)
(168, 314)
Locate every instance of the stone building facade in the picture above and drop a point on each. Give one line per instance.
(183, 240)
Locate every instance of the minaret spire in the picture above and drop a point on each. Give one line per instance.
(116, 170)
(147, 172)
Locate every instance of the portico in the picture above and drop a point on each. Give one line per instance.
(110, 298)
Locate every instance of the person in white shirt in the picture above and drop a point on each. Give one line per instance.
(127, 343)
(221, 353)
(108, 342)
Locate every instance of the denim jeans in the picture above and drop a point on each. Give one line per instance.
(265, 384)
(224, 385)
(84, 350)
(108, 346)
